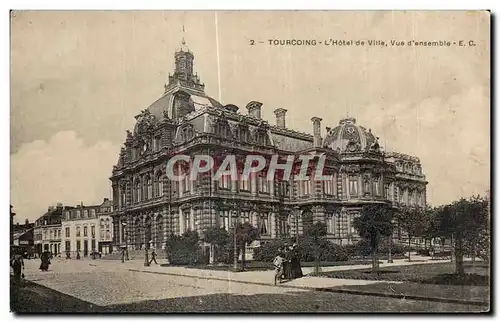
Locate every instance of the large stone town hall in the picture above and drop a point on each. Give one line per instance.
(185, 120)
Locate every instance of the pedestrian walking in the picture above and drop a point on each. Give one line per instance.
(153, 257)
(278, 268)
(17, 265)
(45, 261)
(295, 267)
(287, 269)
(123, 255)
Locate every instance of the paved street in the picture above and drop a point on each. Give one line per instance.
(109, 285)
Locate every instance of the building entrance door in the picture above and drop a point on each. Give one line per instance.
(85, 247)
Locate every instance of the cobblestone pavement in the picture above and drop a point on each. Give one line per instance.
(112, 287)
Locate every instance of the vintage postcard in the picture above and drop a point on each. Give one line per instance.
(250, 161)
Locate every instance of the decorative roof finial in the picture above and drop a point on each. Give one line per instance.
(183, 32)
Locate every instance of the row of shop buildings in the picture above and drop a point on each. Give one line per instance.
(75, 230)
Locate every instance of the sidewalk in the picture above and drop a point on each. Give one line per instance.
(267, 277)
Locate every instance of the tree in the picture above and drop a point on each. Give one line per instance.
(414, 221)
(374, 222)
(467, 221)
(316, 232)
(219, 238)
(245, 235)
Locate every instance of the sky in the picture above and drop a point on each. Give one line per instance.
(78, 79)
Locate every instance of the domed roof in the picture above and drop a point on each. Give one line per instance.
(350, 137)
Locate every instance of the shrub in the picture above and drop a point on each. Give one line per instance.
(184, 250)
(328, 251)
(423, 252)
(363, 248)
(332, 252)
(268, 250)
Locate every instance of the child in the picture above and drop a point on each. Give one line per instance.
(278, 268)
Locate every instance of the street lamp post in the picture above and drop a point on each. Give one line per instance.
(297, 211)
(146, 247)
(235, 248)
(390, 250)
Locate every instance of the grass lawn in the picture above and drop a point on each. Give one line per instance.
(466, 292)
(436, 273)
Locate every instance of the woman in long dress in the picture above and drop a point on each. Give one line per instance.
(45, 261)
(295, 263)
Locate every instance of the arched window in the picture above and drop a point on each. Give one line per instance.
(78, 231)
(307, 221)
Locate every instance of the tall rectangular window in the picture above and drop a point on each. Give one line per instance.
(244, 184)
(225, 219)
(330, 224)
(186, 182)
(187, 220)
(386, 192)
(225, 182)
(328, 186)
(306, 187)
(68, 246)
(283, 226)
(85, 231)
(264, 224)
(78, 245)
(92, 231)
(353, 185)
(376, 186)
(245, 217)
(263, 184)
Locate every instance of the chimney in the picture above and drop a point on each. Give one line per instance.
(280, 117)
(254, 109)
(317, 131)
(59, 205)
(106, 199)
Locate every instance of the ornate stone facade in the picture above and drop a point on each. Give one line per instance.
(148, 207)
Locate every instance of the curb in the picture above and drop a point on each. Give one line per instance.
(333, 290)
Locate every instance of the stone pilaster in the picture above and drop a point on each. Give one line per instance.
(272, 224)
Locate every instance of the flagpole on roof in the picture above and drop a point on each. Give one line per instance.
(217, 49)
